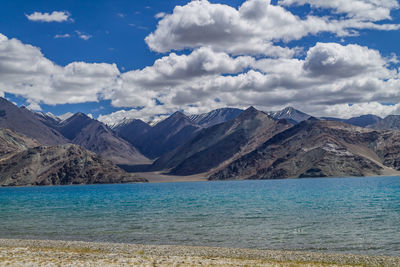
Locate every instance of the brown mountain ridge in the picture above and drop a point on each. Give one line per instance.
(316, 148)
(221, 143)
(251, 144)
(23, 162)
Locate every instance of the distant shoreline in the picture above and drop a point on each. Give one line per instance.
(159, 177)
(17, 252)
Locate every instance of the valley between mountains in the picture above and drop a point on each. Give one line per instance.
(224, 144)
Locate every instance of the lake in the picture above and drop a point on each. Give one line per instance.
(340, 215)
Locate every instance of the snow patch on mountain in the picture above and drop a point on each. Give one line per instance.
(289, 113)
(215, 116)
(65, 116)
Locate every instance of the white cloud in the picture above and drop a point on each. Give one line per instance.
(331, 75)
(160, 15)
(79, 82)
(83, 36)
(143, 86)
(342, 61)
(251, 29)
(200, 23)
(374, 10)
(55, 16)
(58, 36)
(25, 71)
(348, 111)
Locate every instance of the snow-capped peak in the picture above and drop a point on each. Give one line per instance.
(215, 116)
(121, 123)
(54, 117)
(289, 113)
(65, 116)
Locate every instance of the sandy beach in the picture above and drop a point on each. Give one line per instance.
(15, 252)
(159, 177)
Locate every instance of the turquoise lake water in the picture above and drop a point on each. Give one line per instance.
(344, 215)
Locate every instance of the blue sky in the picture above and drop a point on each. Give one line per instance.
(204, 55)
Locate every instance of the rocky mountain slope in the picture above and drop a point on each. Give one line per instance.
(72, 126)
(99, 138)
(391, 122)
(215, 116)
(47, 119)
(364, 120)
(24, 121)
(11, 143)
(130, 130)
(23, 162)
(220, 144)
(166, 135)
(316, 148)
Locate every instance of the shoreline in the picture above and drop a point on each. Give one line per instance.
(18, 252)
(159, 178)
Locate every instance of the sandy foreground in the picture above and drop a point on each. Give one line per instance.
(74, 253)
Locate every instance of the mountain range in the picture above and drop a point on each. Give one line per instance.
(99, 138)
(41, 149)
(368, 120)
(166, 135)
(221, 143)
(315, 148)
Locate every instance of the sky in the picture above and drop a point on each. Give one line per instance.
(149, 58)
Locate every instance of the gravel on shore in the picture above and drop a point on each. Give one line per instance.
(15, 252)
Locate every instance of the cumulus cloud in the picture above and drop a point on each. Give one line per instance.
(200, 23)
(342, 61)
(253, 28)
(374, 10)
(330, 77)
(25, 71)
(168, 73)
(55, 16)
